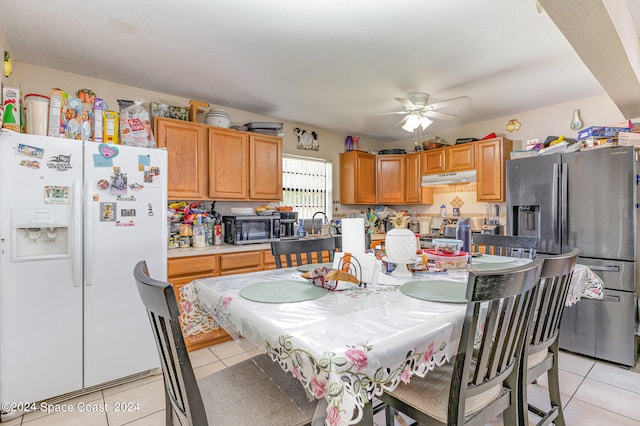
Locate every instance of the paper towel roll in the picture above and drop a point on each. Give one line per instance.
(353, 235)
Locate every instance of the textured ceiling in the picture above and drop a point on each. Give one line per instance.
(332, 64)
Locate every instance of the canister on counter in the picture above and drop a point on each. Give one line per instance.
(217, 235)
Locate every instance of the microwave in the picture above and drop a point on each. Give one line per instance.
(251, 229)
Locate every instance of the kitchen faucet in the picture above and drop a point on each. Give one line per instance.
(313, 220)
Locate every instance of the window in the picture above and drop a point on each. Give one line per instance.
(307, 185)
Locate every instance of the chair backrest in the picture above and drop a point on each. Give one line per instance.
(180, 383)
(506, 245)
(552, 295)
(499, 310)
(323, 248)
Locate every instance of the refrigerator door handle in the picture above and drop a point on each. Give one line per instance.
(554, 204)
(76, 263)
(607, 268)
(88, 232)
(564, 206)
(608, 298)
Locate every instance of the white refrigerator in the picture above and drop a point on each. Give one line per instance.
(75, 217)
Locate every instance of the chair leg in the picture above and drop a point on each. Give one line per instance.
(521, 400)
(389, 417)
(168, 407)
(554, 386)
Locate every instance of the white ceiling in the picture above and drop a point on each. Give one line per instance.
(328, 63)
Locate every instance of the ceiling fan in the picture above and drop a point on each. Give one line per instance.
(420, 112)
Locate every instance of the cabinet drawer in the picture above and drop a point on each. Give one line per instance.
(193, 265)
(237, 263)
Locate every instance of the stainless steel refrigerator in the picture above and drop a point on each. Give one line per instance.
(586, 200)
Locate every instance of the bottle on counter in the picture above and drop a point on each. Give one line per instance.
(199, 236)
(463, 233)
(443, 211)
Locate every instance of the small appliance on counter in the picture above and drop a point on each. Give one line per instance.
(492, 221)
(288, 225)
(251, 229)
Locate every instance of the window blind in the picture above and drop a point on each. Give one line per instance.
(307, 185)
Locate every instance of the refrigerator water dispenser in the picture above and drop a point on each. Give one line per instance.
(526, 220)
(40, 234)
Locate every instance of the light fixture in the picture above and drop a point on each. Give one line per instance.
(416, 120)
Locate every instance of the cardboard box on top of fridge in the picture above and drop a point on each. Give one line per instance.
(600, 131)
(72, 119)
(59, 101)
(12, 109)
(628, 138)
(99, 105)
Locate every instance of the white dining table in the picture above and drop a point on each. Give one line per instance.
(348, 346)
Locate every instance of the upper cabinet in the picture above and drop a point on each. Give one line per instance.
(391, 179)
(357, 178)
(432, 161)
(454, 158)
(372, 179)
(491, 168)
(207, 162)
(244, 166)
(460, 157)
(265, 167)
(186, 145)
(229, 164)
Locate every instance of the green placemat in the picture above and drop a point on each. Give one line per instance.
(285, 291)
(491, 258)
(436, 290)
(312, 266)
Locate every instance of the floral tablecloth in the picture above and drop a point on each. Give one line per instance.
(346, 346)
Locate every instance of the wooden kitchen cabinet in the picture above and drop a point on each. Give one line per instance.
(454, 158)
(265, 167)
(413, 177)
(357, 178)
(181, 271)
(240, 262)
(391, 178)
(432, 161)
(186, 145)
(244, 166)
(229, 164)
(491, 168)
(460, 157)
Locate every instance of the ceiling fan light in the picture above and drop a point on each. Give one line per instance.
(412, 123)
(425, 122)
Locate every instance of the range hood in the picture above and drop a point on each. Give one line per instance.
(445, 178)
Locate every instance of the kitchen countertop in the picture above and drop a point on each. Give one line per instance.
(223, 249)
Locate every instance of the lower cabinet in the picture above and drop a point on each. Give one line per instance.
(199, 329)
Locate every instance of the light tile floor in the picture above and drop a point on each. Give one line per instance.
(595, 393)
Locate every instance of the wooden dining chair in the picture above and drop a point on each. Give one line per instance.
(253, 392)
(506, 245)
(301, 252)
(542, 350)
(481, 381)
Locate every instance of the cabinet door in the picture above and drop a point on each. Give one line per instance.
(203, 331)
(413, 177)
(265, 168)
(187, 157)
(357, 178)
(391, 179)
(491, 165)
(432, 161)
(228, 164)
(460, 157)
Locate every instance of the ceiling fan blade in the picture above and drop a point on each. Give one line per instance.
(401, 122)
(439, 115)
(386, 113)
(407, 103)
(448, 102)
